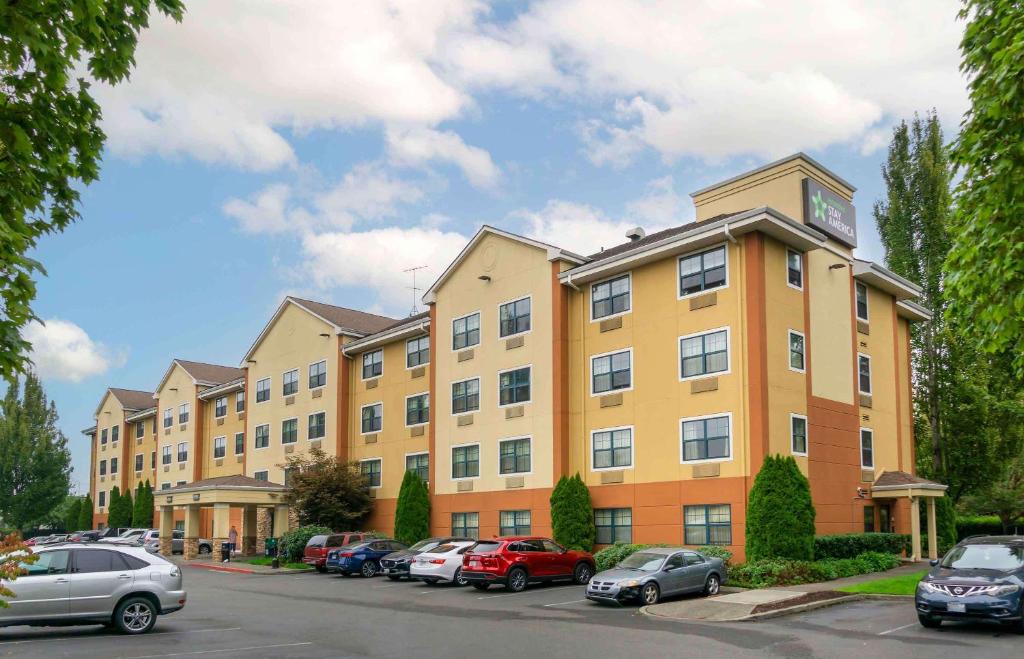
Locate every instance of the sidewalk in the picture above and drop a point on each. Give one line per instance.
(235, 566)
(906, 568)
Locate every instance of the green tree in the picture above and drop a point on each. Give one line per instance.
(1003, 497)
(114, 507)
(327, 491)
(72, 515)
(986, 263)
(144, 503)
(780, 515)
(50, 135)
(412, 510)
(572, 517)
(35, 464)
(14, 556)
(85, 514)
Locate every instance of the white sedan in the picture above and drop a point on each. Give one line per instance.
(442, 563)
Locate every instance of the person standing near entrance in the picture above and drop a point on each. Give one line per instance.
(232, 542)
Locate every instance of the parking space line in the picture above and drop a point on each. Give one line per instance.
(109, 636)
(564, 603)
(889, 631)
(252, 647)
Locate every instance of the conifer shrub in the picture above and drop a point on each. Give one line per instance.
(412, 511)
(780, 514)
(572, 517)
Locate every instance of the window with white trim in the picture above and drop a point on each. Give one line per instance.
(168, 421)
(182, 451)
(612, 448)
(419, 463)
(514, 317)
(103, 435)
(861, 290)
(220, 407)
(466, 331)
(289, 431)
(371, 469)
(115, 431)
(417, 351)
(103, 498)
(262, 436)
(318, 374)
(113, 466)
(239, 443)
(372, 418)
(262, 475)
(796, 351)
(240, 402)
(466, 525)
(514, 386)
(139, 461)
(317, 427)
(103, 467)
(373, 364)
(702, 272)
(183, 412)
(610, 298)
(514, 456)
(466, 461)
(514, 522)
(263, 390)
(290, 383)
(795, 269)
(704, 354)
(165, 454)
(611, 372)
(220, 447)
(798, 433)
(864, 374)
(417, 409)
(707, 525)
(140, 429)
(613, 525)
(867, 448)
(706, 439)
(466, 396)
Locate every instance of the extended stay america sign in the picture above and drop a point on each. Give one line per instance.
(825, 210)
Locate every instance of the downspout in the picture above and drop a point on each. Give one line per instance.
(568, 282)
(727, 234)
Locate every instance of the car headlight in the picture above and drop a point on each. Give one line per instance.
(1004, 589)
(928, 587)
(631, 583)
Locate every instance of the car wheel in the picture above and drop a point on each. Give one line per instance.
(135, 615)
(205, 549)
(582, 574)
(650, 594)
(458, 579)
(929, 622)
(394, 577)
(712, 586)
(516, 580)
(368, 569)
(481, 586)
(321, 569)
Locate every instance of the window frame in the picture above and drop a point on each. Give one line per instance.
(178, 452)
(380, 471)
(187, 406)
(464, 527)
(103, 467)
(707, 525)
(417, 339)
(224, 447)
(632, 372)
(527, 367)
(103, 431)
(113, 465)
(706, 417)
(406, 406)
(516, 526)
(310, 438)
(789, 350)
(285, 383)
(612, 430)
(256, 437)
(269, 388)
(371, 432)
(857, 287)
(217, 414)
(240, 398)
(628, 276)
(701, 252)
(871, 449)
(266, 475)
(362, 364)
(479, 329)
(168, 419)
(701, 334)
(513, 302)
(800, 260)
(479, 395)
(140, 462)
(309, 378)
(416, 454)
(614, 525)
(294, 441)
(793, 416)
(237, 436)
(860, 388)
(140, 425)
(529, 443)
(115, 434)
(479, 459)
(166, 454)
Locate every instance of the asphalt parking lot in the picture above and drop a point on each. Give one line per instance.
(311, 615)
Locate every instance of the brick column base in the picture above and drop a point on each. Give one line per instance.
(165, 546)
(216, 544)
(249, 547)
(190, 549)
(263, 528)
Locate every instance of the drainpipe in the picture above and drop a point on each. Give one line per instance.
(571, 285)
(729, 235)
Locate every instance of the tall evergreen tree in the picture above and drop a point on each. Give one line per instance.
(35, 464)
(72, 515)
(122, 515)
(114, 506)
(572, 517)
(412, 510)
(969, 413)
(85, 514)
(780, 515)
(146, 516)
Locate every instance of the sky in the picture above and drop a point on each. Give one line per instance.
(320, 148)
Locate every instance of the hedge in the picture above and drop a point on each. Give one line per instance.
(611, 556)
(968, 525)
(850, 545)
(293, 543)
(782, 572)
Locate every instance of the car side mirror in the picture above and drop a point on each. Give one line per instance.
(933, 562)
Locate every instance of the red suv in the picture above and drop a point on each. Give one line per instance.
(515, 561)
(315, 553)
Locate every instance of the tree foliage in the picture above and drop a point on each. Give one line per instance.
(327, 491)
(72, 515)
(142, 512)
(986, 263)
(14, 555)
(780, 515)
(1003, 497)
(35, 464)
(50, 135)
(85, 514)
(572, 517)
(412, 510)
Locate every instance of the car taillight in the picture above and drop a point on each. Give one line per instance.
(346, 554)
(437, 561)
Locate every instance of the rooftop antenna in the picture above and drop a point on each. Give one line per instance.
(415, 290)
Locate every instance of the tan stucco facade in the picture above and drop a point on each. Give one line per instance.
(179, 389)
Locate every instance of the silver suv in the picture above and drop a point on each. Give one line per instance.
(76, 584)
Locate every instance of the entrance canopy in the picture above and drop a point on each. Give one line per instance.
(900, 484)
(233, 490)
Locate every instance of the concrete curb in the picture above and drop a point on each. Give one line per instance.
(244, 570)
(753, 617)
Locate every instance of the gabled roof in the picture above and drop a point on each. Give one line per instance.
(349, 322)
(207, 375)
(141, 414)
(133, 399)
(900, 479)
(412, 326)
(238, 384)
(225, 482)
(630, 245)
(553, 253)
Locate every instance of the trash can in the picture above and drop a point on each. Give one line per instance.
(225, 551)
(270, 547)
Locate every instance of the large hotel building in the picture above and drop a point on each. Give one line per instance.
(663, 370)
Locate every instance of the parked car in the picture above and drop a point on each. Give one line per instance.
(442, 563)
(319, 546)
(38, 540)
(125, 535)
(204, 546)
(515, 561)
(123, 587)
(396, 565)
(112, 532)
(84, 536)
(52, 539)
(362, 557)
(652, 574)
(981, 578)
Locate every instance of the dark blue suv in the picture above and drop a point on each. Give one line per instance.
(362, 557)
(981, 578)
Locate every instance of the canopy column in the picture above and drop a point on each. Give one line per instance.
(191, 547)
(166, 529)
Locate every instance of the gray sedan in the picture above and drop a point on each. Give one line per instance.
(650, 574)
(74, 584)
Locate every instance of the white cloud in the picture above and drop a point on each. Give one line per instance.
(576, 227)
(266, 213)
(418, 146)
(661, 205)
(61, 350)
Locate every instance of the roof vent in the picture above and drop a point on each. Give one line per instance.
(636, 234)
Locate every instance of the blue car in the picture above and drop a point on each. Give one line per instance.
(980, 579)
(362, 557)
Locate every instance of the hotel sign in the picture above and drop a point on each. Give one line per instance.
(825, 210)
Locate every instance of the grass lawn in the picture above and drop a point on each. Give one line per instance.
(265, 560)
(901, 585)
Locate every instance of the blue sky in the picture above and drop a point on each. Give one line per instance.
(319, 149)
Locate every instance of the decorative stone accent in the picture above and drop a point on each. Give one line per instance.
(418, 372)
(701, 301)
(611, 324)
(465, 486)
(466, 355)
(370, 439)
(514, 412)
(867, 475)
(865, 400)
(165, 546)
(703, 384)
(263, 527)
(611, 400)
(289, 400)
(515, 342)
(318, 393)
(465, 420)
(863, 327)
(416, 431)
(190, 549)
(514, 482)
(372, 384)
(216, 543)
(707, 470)
(612, 477)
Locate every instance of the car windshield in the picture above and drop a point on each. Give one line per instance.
(317, 541)
(443, 549)
(423, 545)
(985, 557)
(643, 560)
(482, 547)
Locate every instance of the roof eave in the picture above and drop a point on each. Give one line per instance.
(406, 330)
(883, 279)
(237, 384)
(913, 311)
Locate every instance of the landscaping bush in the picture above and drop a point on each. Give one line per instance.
(849, 545)
(968, 525)
(294, 542)
(572, 518)
(611, 556)
(412, 511)
(782, 572)
(780, 515)
(715, 551)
